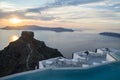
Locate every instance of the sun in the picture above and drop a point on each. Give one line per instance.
(15, 20)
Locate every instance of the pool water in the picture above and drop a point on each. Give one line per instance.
(110, 71)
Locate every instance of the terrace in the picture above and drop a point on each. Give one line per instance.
(83, 59)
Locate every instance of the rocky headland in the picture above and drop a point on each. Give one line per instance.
(35, 27)
(112, 34)
(24, 54)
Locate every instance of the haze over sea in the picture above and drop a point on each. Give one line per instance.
(67, 42)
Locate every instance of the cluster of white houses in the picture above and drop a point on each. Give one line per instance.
(83, 59)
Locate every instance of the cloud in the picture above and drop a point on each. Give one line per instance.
(114, 7)
(106, 5)
(38, 9)
(61, 3)
(69, 11)
(7, 7)
(73, 2)
(39, 16)
(47, 18)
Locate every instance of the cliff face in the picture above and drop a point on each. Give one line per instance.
(24, 54)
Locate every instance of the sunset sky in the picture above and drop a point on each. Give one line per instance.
(60, 13)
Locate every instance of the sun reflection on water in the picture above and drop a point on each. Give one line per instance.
(13, 38)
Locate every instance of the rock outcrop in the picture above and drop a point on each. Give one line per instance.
(24, 54)
(112, 34)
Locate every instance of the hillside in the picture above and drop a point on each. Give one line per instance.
(34, 27)
(112, 34)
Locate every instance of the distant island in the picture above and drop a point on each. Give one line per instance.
(34, 27)
(112, 34)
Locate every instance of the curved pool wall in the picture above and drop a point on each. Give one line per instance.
(110, 71)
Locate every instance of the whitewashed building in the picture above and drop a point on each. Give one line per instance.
(83, 59)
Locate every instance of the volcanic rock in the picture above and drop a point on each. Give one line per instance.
(24, 54)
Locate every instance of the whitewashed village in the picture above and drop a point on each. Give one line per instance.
(83, 59)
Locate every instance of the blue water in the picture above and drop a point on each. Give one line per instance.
(109, 71)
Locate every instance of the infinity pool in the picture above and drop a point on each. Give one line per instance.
(109, 71)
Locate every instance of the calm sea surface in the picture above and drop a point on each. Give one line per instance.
(66, 42)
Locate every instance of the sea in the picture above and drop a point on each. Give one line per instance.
(67, 42)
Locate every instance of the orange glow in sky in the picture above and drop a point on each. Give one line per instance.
(68, 13)
(15, 20)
